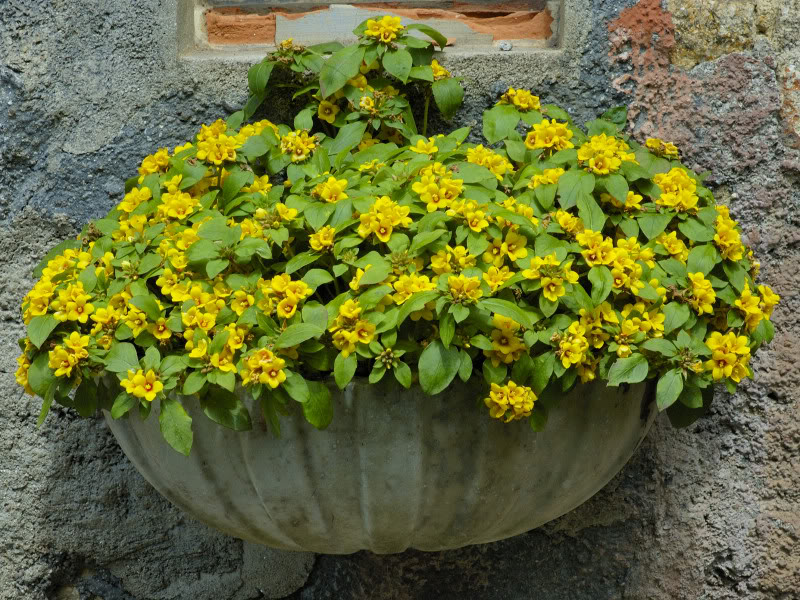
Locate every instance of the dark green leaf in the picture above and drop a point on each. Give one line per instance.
(176, 425)
(397, 63)
(40, 328)
(318, 410)
(122, 358)
(341, 66)
(670, 386)
(628, 370)
(437, 367)
(448, 95)
(147, 304)
(344, 368)
(602, 283)
(227, 409)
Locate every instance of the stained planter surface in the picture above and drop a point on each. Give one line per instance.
(396, 469)
(87, 89)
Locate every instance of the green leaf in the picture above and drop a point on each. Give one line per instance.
(123, 403)
(661, 346)
(702, 259)
(40, 375)
(669, 387)
(416, 302)
(628, 370)
(122, 358)
(430, 32)
(590, 212)
(499, 122)
(423, 239)
(147, 304)
(202, 251)
(465, 368)
(227, 409)
(375, 274)
(305, 118)
(194, 383)
(447, 329)
(398, 63)
(348, 138)
(538, 418)
(402, 372)
(297, 387)
(680, 415)
(341, 66)
(423, 73)
(617, 115)
(344, 368)
(675, 315)
(541, 371)
(573, 184)
(298, 261)
(448, 95)
(492, 374)
(40, 328)
(176, 425)
(510, 310)
(258, 76)
(602, 283)
(653, 224)
(317, 277)
(86, 398)
(691, 397)
(318, 410)
(234, 182)
(255, 146)
(696, 230)
(617, 187)
(437, 367)
(297, 334)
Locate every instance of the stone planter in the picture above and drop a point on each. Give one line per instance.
(395, 469)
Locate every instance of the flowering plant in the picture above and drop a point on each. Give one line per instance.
(269, 258)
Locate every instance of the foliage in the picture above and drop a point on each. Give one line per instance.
(272, 259)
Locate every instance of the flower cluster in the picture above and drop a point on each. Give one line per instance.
(269, 258)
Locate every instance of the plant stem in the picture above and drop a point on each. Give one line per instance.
(425, 113)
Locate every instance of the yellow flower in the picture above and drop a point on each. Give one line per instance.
(136, 320)
(272, 373)
(134, 198)
(550, 135)
(384, 29)
(323, 239)
(327, 111)
(142, 385)
(495, 277)
(332, 190)
(750, 305)
(514, 246)
(678, 190)
(224, 361)
(546, 177)
(510, 402)
(573, 346)
(200, 349)
(366, 103)
(463, 289)
(439, 72)
(298, 144)
(729, 356)
(62, 360)
(21, 374)
(662, 148)
(523, 100)
(703, 295)
(77, 343)
(604, 154)
(674, 246)
(425, 147)
(160, 330)
(219, 149)
(769, 300)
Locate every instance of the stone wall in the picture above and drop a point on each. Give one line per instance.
(87, 88)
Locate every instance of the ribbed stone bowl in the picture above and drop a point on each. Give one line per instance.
(395, 469)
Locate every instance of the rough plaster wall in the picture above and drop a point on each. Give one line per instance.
(87, 88)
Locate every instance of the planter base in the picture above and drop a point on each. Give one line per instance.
(395, 470)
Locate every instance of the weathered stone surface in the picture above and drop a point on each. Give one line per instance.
(712, 512)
